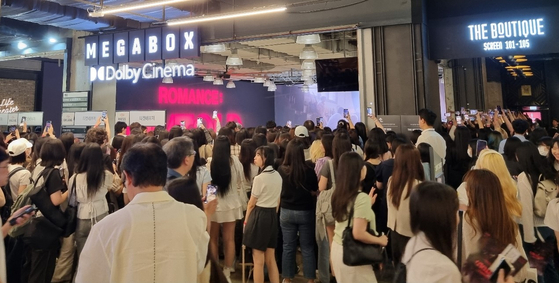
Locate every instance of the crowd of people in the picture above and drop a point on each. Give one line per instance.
(179, 205)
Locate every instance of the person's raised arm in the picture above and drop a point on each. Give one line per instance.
(378, 124)
(508, 123)
(348, 118)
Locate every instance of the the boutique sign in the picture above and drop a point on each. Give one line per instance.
(142, 45)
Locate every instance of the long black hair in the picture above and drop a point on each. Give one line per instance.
(433, 208)
(220, 168)
(532, 163)
(348, 184)
(294, 164)
(91, 162)
(74, 157)
(269, 156)
(246, 156)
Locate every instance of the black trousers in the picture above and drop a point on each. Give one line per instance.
(398, 244)
(39, 265)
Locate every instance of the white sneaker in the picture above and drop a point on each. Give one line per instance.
(227, 273)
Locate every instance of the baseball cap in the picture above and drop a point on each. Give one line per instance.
(18, 147)
(301, 132)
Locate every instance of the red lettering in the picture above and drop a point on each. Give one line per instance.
(200, 96)
(163, 95)
(173, 95)
(192, 97)
(211, 99)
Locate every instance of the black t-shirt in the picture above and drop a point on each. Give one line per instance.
(54, 183)
(298, 196)
(384, 171)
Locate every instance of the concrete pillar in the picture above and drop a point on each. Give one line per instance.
(76, 74)
(366, 74)
(448, 87)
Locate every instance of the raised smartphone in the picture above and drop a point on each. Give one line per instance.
(214, 115)
(211, 193)
(346, 113)
(369, 112)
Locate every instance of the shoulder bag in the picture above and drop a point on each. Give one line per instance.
(357, 253)
(324, 201)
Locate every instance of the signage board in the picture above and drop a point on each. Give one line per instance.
(123, 117)
(142, 45)
(390, 122)
(12, 119)
(32, 118)
(67, 118)
(409, 124)
(147, 71)
(4, 119)
(527, 31)
(88, 118)
(148, 118)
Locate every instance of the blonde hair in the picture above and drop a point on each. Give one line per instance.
(503, 133)
(493, 161)
(316, 150)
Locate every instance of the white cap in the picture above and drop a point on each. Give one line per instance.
(301, 132)
(18, 147)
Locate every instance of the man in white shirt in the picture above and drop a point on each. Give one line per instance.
(520, 128)
(429, 135)
(154, 238)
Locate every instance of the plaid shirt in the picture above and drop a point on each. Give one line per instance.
(235, 150)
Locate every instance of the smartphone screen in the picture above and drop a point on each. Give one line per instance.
(23, 119)
(104, 115)
(467, 117)
(462, 110)
(473, 112)
(499, 109)
(12, 129)
(447, 114)
(318, 121)
(369, 111)
(444, 120)
(48, 125)
(214, 115)
(199, 122)
(346, 113)
(182, 124)
(211, 193)
(481, 145)
(457, 113)
(288, 124)
(459, 120)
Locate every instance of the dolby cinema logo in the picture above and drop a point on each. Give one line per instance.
(148, 71)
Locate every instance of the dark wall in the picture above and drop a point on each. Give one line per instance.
(51, 93)
(468, 83)
(248, 103)
(552, 81)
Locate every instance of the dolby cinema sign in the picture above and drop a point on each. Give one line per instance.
(106, 54)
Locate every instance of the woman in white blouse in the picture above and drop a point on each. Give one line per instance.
(91, 182)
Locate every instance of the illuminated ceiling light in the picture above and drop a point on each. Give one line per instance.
(305, 88)
(514, 74)
(231, 84)
(259, 80)
(218, 81)
(225, 16)
(308, 65)
(499, 58)
(529, 74)
(214, 48)
(308, 53)
(308, 39)
(272, 87)
(53, 40)
(167, 80)
(234, 59)
(21, 45)
(522, 60)
(502, 61)
(125, 8)
(518, 56)
(208, 78)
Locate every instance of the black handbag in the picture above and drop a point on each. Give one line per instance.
(357, 253)
(71, 211)
(42, 234)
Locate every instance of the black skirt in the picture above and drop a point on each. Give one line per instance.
(261, 230)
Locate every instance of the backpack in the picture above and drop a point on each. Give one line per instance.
(545, 192)
(6, 210)
(324, 201)
(400, 274)
(23, 200)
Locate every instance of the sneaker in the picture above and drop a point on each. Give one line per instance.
(227, 274)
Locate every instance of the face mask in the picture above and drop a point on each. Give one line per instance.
(544, 151)
(470, 152)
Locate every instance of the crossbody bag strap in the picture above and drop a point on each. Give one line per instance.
(460, 229)
(332, 174)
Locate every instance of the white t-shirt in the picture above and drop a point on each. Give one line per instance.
(96, 205)
(20, 178)
(267, 188)
(552, 215)
(431, 137)
(203, 176)
(247, 184)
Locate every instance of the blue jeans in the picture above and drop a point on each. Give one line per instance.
(291, 222)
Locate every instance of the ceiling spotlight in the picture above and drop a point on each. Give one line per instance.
(521, 60)
(231, 84)
(167, 80)
(218, 81)
(208, 78)
(21, 45)
(234, 59)
(308, 65)
(53, 40)
(305, 88)
(259, 80)
(308, 73)
(308, 39)
(214, 48)
(308, 53)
